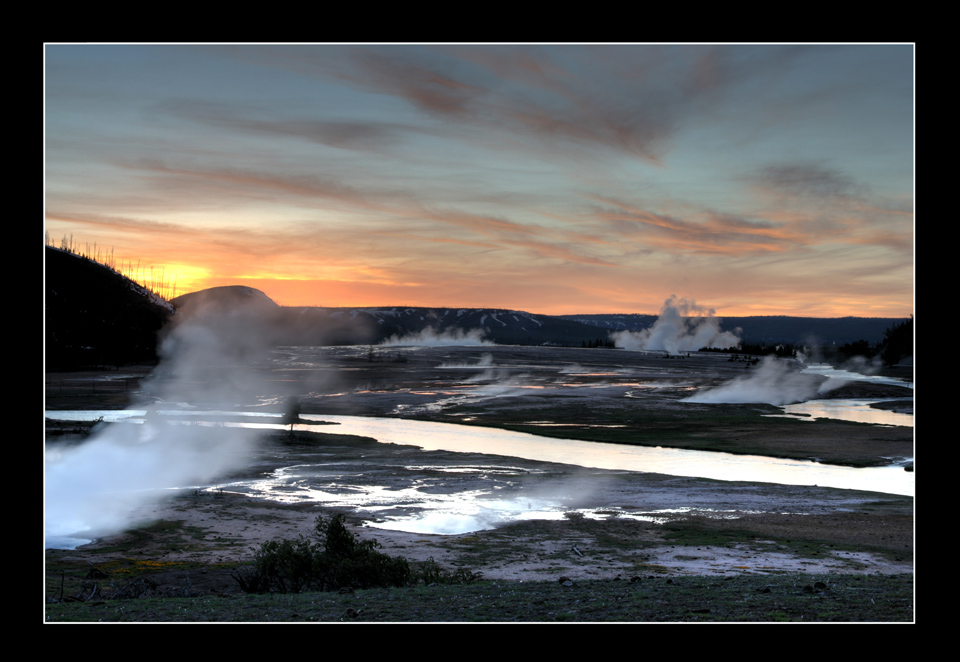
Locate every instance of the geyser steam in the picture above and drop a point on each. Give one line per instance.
(774, 382)
(430, 338)
(101, 485)
(682, 326)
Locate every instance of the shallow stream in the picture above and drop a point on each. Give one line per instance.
(307, 479)
(675, 462)
(858, 411)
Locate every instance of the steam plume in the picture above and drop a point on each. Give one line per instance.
(773, 382)
(682, 326)
(430, 337)
(485, 361)
(102, 485)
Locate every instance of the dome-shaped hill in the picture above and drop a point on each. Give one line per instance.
(227, 297)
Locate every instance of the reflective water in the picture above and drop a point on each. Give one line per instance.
(719, 466)
(418, 508)
(674, 462)
(828, 370)
(474, 510)
(860, 410)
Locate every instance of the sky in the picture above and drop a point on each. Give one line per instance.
(753, 179)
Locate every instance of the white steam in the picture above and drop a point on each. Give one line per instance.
(485, 361)
(430, 337)
(103, 485)
(682, 326)
(774, 382)
(499, 381)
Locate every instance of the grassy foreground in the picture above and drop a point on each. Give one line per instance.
(745, 598)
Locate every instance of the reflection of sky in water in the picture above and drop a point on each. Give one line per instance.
(423, 507)
(674, 462)
(420, 508)
(599, 455)
(858, 411)
(828, 370)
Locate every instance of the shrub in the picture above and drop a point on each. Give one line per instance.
(430, 572)
(349, 561)
(338, 559)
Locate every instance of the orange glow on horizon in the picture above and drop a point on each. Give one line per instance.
(556, 291)
(526, 193)
(168, 280)
(347, 294)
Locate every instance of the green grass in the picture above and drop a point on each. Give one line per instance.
(794, 598)
(172, 534)
(700, 533)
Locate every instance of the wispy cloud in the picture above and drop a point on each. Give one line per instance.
(712, 232)
(551, 94)
(342, 133)
(578, 176)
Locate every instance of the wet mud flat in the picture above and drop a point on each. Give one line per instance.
(590, 394)
(607, 524)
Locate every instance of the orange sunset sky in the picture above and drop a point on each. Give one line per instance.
(754, 179)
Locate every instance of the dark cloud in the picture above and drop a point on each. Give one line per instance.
(560, 93)
(343, 134)
(806, 180)
(629, 98)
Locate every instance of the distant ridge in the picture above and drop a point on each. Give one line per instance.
(497, 325)
(96, 316)
(768, 329)
(513, 327)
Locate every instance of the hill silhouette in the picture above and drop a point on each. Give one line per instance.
(95, 316)
(225, 299)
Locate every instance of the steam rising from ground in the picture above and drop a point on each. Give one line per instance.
(774, 381)
(496, 381)
(682, 326)
(485, 361)
(98, 486)
(430, 337)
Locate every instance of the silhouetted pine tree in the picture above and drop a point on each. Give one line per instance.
(897, 342)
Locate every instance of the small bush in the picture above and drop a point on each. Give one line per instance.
(337, 560)
(430, 572)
